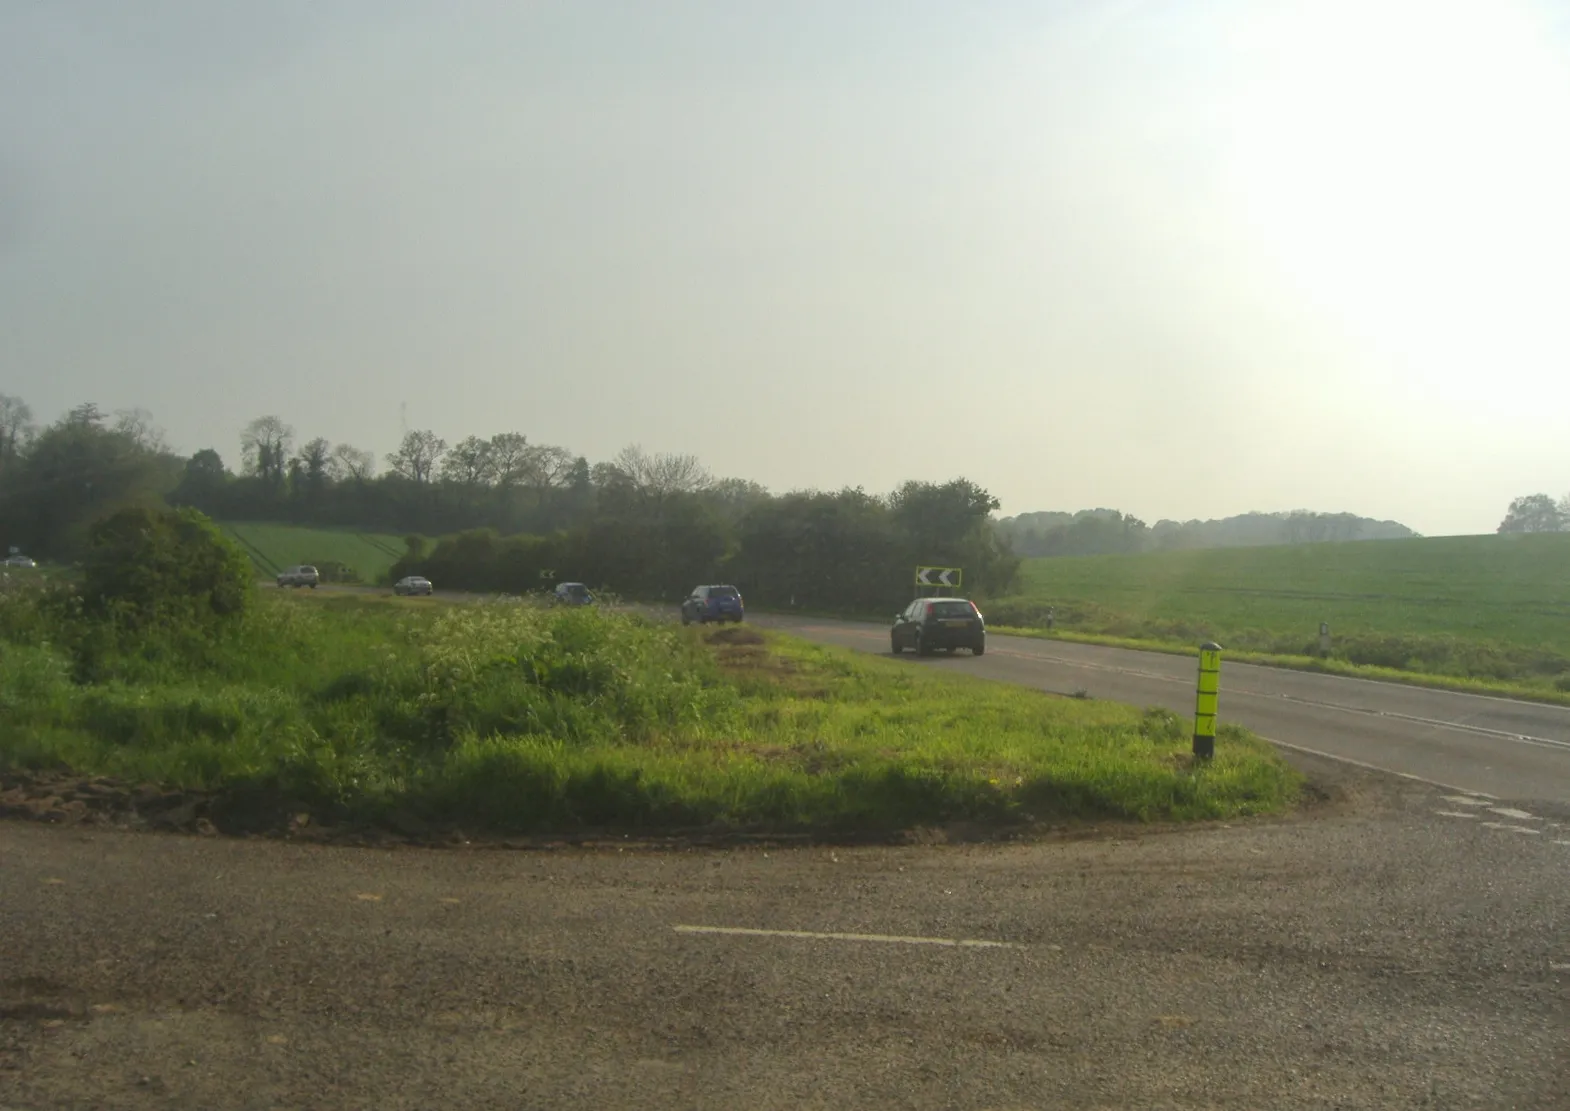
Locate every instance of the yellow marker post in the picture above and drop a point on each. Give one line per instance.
(1206, 700)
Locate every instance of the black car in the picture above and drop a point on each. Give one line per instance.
(928, 624)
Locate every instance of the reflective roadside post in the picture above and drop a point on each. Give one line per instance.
(1206, 699)
(1324, 638)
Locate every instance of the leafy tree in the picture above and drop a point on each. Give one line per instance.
(1533, 513)
(469, 464)
(74, 472)
(203, 483)
(417, 456)
(165, 567)
(311, 470)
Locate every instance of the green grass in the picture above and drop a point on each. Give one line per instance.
(510, 717)
(1487, 612)
(274, 547)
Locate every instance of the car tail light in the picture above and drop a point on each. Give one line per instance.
(927, 610)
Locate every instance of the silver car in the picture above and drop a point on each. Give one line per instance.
(413, 584)
(20, 561)
(303, 575)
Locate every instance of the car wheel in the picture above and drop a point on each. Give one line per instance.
(895, 647)
(686, 619)
(922, 648)
(979, 649)
(313, 586)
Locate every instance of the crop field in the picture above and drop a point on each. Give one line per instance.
(274, 547)
(1485, 607)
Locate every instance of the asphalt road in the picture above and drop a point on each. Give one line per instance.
(1494, 746)
(1393, 951)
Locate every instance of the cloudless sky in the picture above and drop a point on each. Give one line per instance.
(1182, 259)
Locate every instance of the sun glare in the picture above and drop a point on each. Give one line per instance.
(1406, 165)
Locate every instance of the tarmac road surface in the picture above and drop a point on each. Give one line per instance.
(1402, 947)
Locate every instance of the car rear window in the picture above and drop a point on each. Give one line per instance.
(723, 592)
(952, 609)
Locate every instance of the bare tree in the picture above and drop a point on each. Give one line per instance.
(659, 475)
(350, 462)
(417, 457)
(16, 428)
(266, 442)
(549, 466)
(137, 425)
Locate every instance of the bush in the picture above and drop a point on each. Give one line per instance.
(165, 567)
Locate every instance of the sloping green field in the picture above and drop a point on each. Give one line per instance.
(1481, 606)
(274, 547)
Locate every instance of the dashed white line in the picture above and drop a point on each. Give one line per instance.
(1511, 812)
(887, 939)
(1513, 829)
(1467, 800)
(1454, 814)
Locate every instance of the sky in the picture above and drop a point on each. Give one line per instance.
(1182, 259)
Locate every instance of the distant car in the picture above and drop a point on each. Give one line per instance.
(573, 594)
(303, 575)
(928, 624)
(20, 561)
(713, 603)
(413, 584)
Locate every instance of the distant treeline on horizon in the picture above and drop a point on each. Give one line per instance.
(1111, 532)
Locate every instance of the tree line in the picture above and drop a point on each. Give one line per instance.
(509, 513)
(1111, 532)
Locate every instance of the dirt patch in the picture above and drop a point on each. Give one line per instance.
(735, 634)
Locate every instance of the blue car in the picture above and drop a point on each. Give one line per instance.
(713, 603)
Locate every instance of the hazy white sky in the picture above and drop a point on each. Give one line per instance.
(1183, 259)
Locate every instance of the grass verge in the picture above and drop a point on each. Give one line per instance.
(1497, 688)
(515, 718)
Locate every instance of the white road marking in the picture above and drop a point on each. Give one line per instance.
(1511, 828)
(1454, 814)
(1370, 767)
(1518, 815)
(889, 939)
(1466, 800)
(1562, 842)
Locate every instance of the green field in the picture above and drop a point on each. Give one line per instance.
(1490, 608)
(274, 547)
(515, 717)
